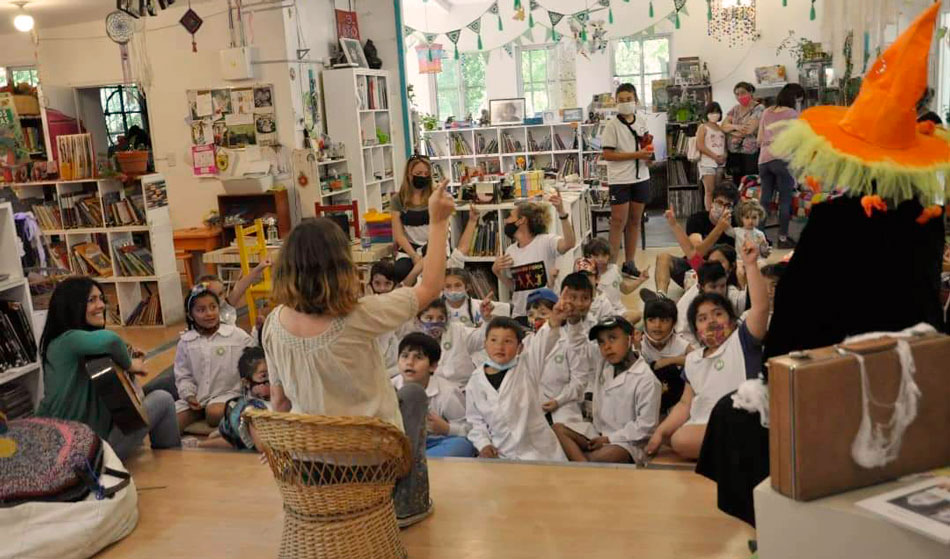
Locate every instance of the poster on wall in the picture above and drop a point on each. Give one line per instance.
(202, 132)
(265, 127)
(233, 117)
(204, 160)
(242, 103)
(347, 26)
(221, 102)
(263, 98)
(12, 148)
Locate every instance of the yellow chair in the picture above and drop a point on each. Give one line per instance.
(251, 240)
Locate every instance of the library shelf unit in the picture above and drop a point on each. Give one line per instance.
(682, 175)
(129, 223)
(359, 115)
(327, 182)
(15, 287)
(254, 206)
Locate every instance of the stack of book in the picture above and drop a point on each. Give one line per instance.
(485, 241)
(89, 260)
(148, 312)
(509, 144)
(76, 159)
(483, 281)
(17, 344)
(534, 146)
(559, 143)
(123, 211)
(428, 148)
(483, 148)
(48, 215)
(133, 260)
(458, 145)
(15, 401)
(81, 209)
(593, 170)
(568, 167)
(677, 143)
(57, 254)
(678, 172)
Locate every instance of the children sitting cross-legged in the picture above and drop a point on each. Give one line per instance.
(418, 358)
(611, 283)
(601, 306)
(731, 352)
(626, 402)
(206, 361)
(459, 342)
(663, 349)
(501, 399)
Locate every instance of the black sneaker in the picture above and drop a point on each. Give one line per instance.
(647, 295)
(630, 269)
(786, 243)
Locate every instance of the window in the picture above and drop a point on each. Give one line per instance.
(640, 61)
(122, 108)
(19, 75)
(546, 79)
(460, 93)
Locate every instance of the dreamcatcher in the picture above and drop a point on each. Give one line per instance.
(120, 28)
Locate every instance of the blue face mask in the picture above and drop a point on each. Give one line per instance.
(455, 296)
(434, 329)
(499, 367)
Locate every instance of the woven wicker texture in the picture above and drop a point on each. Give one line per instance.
(336, 477)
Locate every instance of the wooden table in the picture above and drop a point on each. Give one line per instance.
(200, 240)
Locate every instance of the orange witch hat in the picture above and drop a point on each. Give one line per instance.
(875, 146)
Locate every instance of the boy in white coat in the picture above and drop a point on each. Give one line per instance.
(626, 402)
(459, 343)
(418, 358)
(502, 404)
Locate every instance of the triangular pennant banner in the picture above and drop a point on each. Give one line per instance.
(454, 35)
(604, 3)
(535, 5)
(555, 18)
(509, 50)
(406, 30)
(475, 26)
(582, 16)
(431, 37)
(493, 9)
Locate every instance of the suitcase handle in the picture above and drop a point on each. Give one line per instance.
(870, 346)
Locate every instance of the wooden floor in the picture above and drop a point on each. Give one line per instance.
(225, 504)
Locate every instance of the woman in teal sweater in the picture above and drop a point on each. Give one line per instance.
(75, 329)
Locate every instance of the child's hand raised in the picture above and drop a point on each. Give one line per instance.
(750, 253)
(559, 313)
(441, 204)
(725, 221)
(670, 216)
(487, 307)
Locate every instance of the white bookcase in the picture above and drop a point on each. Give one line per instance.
(498, 149)
(306, 166)
(358, 114)
(155, 235)
(16, 288)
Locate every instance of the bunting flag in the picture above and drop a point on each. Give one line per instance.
(430, 37)
(517, 5)
(476, 28)
(708, 10)
(407, 31)
(811, 16)
(509, 50)
(454, 37)
(555, 18)
(784, 3)
(493, 10)
(651, 8)
(532, 7)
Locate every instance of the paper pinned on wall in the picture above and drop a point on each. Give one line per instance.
(264, 98)
(204, 160)
(203, 105)
(265, 125)
(239, 120)
(242, 101)
(221, 100)
(202, 132)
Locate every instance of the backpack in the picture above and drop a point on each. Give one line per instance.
(54, 461)
(232, 427)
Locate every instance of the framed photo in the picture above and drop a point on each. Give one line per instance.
(506, 111)
(353, 52)
(549, 117)
(573, 115)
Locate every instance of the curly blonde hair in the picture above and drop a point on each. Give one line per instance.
(748, 208)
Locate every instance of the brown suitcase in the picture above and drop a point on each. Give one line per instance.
(815, 413)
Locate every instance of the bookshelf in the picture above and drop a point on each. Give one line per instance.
(561, 148)
(327, 182)
(117, 232)
(358, 114)
(21, 378)
(682, 175)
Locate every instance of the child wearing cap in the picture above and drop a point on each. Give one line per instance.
(663, 349)
(540, 303)
(418, 358)
(501, 398)
(626, 404)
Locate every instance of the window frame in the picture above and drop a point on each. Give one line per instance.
(120, 89)
(461, 88)
(641, 84)
(9, 70)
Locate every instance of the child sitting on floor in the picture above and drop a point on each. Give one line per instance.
(540, 303)
(713, 278)
(501, 398)
(206, 361)
(460, 305)
(663, 349)
(601, 306)
(382, 280)
(612, 282)
(229, 303)
(626, 403)
(459, 342)
(418, 358)
(731, 352)
(751, 213)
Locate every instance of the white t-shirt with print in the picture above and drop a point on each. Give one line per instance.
(609, 284)
(618, 136)
(541, 249)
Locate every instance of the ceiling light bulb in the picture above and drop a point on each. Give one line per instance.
(23, 22)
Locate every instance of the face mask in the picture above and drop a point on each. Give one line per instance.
(510, 230)
(455, 296)
(713, 117)
(744, 100)
(715, 212)
(656, 342)
(627, 108)
(539, 323)
(714, 336)
(421, 182)
(499, 367)
(434, 329)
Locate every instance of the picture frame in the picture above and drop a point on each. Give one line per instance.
(575, 114)
(506, 111)
(353, 52)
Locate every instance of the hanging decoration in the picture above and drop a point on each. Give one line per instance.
(476, 28)
(120, 28)
(454, 37)
(407, 31)
(430, 58)
(517, 4)
(555, 18)
(610, 10)
(519, 14)
(192, 23)
(732, 21)
(430, 37)
(811, 15)
(493, 10)
(532, 7)
(509, 49)
(651, 8)
(708, 10)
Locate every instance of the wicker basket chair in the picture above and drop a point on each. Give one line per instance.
(336, 476)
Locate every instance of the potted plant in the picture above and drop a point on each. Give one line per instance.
(429, 122)
(684, 109)
(132, 151)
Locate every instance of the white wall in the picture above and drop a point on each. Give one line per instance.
(726, 65)
(16, 49)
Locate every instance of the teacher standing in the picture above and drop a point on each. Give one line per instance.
(742, 129)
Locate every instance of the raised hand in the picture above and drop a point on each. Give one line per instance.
(441, 204)
(487, 306)
(750, 253)
(670, 216)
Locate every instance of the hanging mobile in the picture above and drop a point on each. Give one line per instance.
(119, 28)
(192, 23)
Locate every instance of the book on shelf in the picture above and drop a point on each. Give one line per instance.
(48, 216)
(371, 98)
(679, 172)
(509, 144)
(485, 241)
(133, 260)
(81, 209)
(91, 258)
(15, 401)
(57, 254)
(483, 281)
(428, 148)
(485, 148)
(148, 312)
(382, 92)
(458, 145)
(121, 211)
(568, 167)
(361, 91)
(17, 343)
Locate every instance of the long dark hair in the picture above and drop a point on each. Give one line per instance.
(67, 309)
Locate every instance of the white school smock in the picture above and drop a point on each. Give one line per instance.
(459, 343)
(446, 400)
(626, 407)
(712, 377)
(609, 284)
(469, 314)
(567, 372)
(601, 308)
(206, 367)
(510, 418)
(675, 347)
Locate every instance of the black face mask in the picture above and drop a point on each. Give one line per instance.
(421, 182)
(510, 230)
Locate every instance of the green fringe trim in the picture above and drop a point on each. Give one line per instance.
(811, 15)
(651, 8)
(809, 154)
(500, 26)
(610, 15)
(709, 10)
(479, 41)
(676, 22)
(530, 20)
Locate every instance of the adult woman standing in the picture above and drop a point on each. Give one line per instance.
(410, 214)
(321, 346)
(742, 127)
(75, 330)
(773, 171)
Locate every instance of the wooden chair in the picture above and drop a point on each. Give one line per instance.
(336, 477)
(353, 207)
(184, 257)
(252, 240)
